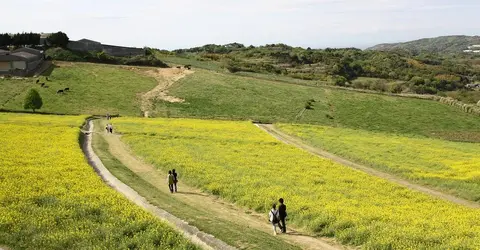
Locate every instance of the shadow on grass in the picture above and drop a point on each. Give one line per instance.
(190, 193)
(50, 69)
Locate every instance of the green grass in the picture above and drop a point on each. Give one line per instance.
(283, 78)
(11, 88)
(94, 89)
(226, 96)
(233, 234)
(453, 167)
(209, 65)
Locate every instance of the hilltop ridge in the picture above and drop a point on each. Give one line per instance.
(441, 44)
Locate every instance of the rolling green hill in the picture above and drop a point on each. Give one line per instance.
(99, 89)
(421, 73)
(442, 44)
(226, 96)
(94, 89)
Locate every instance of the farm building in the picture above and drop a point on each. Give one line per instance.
(85, 45)
(21, 62)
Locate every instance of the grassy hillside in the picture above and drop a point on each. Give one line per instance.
(413, 72)
(225, 96)
(94, 89)
(442, 44)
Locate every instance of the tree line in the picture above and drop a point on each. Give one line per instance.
(58, 39)
(420, 72)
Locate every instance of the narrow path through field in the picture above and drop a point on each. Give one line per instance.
(206, 202)
(288, 139)
(202, 239)
(165, 77)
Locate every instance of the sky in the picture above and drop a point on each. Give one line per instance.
(188, 23)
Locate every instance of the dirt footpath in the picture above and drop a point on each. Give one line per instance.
(165, 77)
(220, 208)
(198, 237)
(297, 142)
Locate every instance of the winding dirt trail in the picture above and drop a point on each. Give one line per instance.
(198, 237)
(203, 201)
(272, 130)
(165, 77)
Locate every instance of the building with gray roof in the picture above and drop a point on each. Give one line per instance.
(21, 62)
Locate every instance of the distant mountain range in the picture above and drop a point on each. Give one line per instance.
(443, 44)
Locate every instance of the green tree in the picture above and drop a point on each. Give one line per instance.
(5, 40)
(58, 39)
(33, 100)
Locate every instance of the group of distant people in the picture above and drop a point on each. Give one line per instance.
(278, 217)
(109, 126)
(172, 179)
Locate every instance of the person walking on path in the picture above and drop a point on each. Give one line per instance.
(107, 128)
(282, 212)
(170, 181)
(111, 128)
(175, 179)
(273, 218)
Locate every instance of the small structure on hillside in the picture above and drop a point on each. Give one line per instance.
(86, 45)
(473, 49)
(21, 62)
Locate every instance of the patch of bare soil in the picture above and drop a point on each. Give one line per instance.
(165, 77)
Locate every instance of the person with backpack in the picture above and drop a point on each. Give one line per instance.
(282, 212)
(175, 179)
(273, 218)
(170, 181)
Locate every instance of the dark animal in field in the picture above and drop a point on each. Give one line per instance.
(38, 80)
(43, 84)
(188, 66)
(66, 89)
(60, 91)
(179, 67)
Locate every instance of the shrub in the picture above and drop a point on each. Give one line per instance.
(339, 80)
(32, 100)
(396, 88)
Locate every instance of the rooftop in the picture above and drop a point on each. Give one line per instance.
(25, 55)
(87, 41)
(29, 50)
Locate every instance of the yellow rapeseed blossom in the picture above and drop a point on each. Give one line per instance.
(243, 164)
(50, 198)
(447, 165)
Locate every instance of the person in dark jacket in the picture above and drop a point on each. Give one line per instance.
(175, 179)
(170, 181)
(282, 212)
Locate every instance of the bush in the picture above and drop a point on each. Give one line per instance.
(396, 88)
(339, 81)
(378, 86)
(32, 100)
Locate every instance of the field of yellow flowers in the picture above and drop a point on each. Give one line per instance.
(243, 164)
(450, 166)
(50, 198)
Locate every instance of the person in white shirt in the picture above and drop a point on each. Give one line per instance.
(274, 218)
